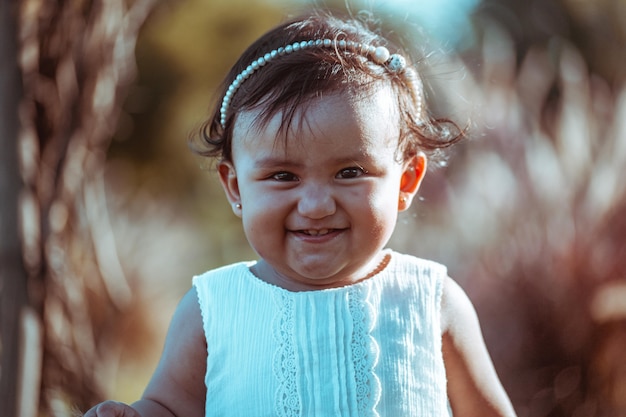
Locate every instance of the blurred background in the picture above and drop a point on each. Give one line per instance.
(106, 214)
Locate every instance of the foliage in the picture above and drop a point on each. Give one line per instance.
(76, 60)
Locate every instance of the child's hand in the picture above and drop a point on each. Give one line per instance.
(112, 409)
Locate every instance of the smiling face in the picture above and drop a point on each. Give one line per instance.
(319, 206)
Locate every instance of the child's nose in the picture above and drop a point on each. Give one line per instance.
(316, 202)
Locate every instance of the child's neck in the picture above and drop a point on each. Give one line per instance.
(265, 272)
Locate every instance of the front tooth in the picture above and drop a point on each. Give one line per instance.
(317, 232)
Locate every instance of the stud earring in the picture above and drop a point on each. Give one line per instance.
(402, 200)
(238, 206)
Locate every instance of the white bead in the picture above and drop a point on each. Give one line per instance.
(396, 63)
(381, 55)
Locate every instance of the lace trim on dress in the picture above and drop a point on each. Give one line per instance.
(287, 397)
(364, 353)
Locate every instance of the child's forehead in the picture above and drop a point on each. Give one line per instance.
(367, 111)
(365, 121)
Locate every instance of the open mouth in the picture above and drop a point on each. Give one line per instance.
(317, 232)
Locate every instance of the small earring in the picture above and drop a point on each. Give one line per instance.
(238, 206)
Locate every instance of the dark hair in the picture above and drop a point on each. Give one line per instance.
(291, 81)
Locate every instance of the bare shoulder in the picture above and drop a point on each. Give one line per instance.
(458, 315)
(455, 306)
(178, 382)
(474, 388)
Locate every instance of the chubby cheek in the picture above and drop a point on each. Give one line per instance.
(262, 225)
(256, 224)
(384, 221)
(384, 213)
(254, 234)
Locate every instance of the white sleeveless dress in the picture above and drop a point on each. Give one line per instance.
(368, 349)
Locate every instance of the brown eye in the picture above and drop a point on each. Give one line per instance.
(284, 176)
(352, 172)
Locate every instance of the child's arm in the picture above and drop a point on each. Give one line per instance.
(473, 385)
(177, 387)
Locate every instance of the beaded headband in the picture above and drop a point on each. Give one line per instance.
(380, 55)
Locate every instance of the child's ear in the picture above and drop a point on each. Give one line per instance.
(230, 184)
(412, 176)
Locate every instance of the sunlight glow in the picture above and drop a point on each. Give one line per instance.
(448, 21)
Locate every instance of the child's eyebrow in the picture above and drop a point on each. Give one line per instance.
(270, 162)
(357, 159)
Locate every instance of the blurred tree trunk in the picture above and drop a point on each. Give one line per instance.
(13, 297)
(66, 66)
